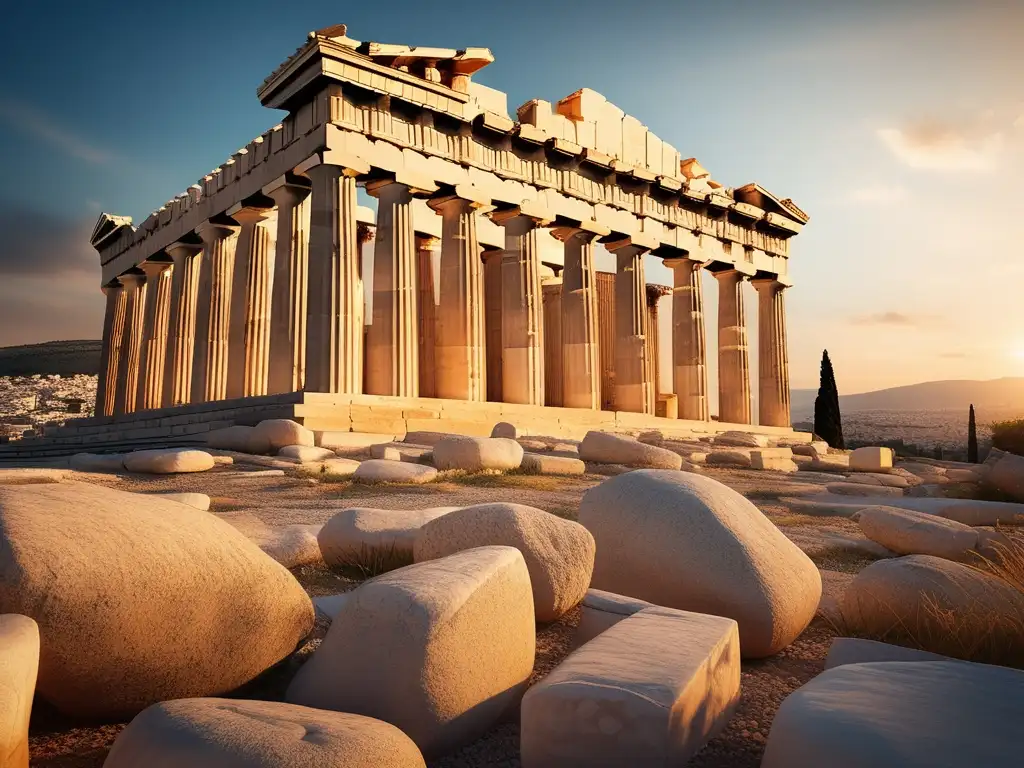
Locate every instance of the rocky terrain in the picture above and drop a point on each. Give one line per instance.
(35, 401)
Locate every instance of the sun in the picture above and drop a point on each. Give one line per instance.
(1017, 351)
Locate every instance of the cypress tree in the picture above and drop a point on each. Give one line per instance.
(827, 420)
(972, 438)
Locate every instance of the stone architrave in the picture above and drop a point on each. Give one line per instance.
(460, 344)
(288, 301)
(773, 356)
(581, 360)
(427, 248)
(392, 354)
(181, 336)
(154, 335)
(689, 346)
(131, 342)
(522, 310)
(113, 329)
(733, 361)
(249, 337)
(634, 391)
(213, 310)
(492, 258)
(335, 304)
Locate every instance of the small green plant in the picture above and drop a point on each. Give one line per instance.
(1009, 436)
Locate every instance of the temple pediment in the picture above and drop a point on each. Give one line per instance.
(755, 194)
(108, 226)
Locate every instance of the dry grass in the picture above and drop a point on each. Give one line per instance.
(373, 561)
(512, 479)
(841, 559)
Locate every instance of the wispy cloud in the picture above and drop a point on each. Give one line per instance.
(888, 318)
(878, 193)
(32, 122)
(942, 145)
(39, 243)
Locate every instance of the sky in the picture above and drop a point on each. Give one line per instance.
(898, 126)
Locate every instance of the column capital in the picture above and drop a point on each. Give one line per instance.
(587, 230)
(114, 285)
(538, 214)
(465, 194)
(415, 184)
(491, 254)
(179, 249)
(154, 268)
(249, 214)
(640, 240)
(350, 164)
(287, 188)
(217, 228)
(131, 280)
(730, 274)
(771, 282)
(681, 262)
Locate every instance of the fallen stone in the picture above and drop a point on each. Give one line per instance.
(559, 553)
(907, 532)
(871, 459)
(967, 511)
(600, 611)
(686, 541)
(871, 478)
(305, 453)
(532, 445)
(327, 606)
(384, 471)
(769, 460)
(964, 475)
(276, 434)
(250, 459)
(230, 733)
(198, 501)
(859, 489)
(289, 545)
(19, 665)
(147, 582)
(475, 454)
(337, 467)
(442, 649)
(400, 452)
(238, 438)
(168, 461)
(901, 715)
(97, 462)
(546, 464)
(381, 538)
(650, 691)
(351, 443)
(855, 650)
(504, 429)
(729, 458)
(1005, 473)
(816, 449)
(253, 475)
(422, 437)
(607, 448)
(741, 439)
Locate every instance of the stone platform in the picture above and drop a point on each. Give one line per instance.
(335, 413)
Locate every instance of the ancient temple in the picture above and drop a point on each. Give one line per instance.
(246, 291)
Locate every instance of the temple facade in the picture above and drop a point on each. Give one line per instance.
(484, 284)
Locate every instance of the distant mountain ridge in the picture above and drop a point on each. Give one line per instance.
(52, 357)
(1006, 394)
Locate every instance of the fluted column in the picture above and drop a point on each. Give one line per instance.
(581, 361)
(334, 310)
(113, 329)
(288, 301)
(154, 336)
(773, 355)
(492, 321)
(689, 346)
(392, 355)
(213, 310)
(131, 342)
(249, 341)
(181, 335)
(634, 391)
(522, 308)
(426, 332)
(733, 362)
(460, 344)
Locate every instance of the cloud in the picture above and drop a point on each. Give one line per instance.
(935, 145)
(878, 193)
(34, 242)
(887, 318)
(32, 122)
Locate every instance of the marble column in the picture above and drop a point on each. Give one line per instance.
(154, 335)
(213, 310)
(461, 327)
(634, 390)
(335, 303)
(249, 342)
(522, 309)
(492, 321)
(113, 330)
(773, 355)
(392, 355)
(181, 335)
(733, 363)
(288, 301)
(131, 342)
(426, 252)
(689, 345)
(581, 361)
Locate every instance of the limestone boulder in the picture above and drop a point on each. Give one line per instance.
(559, 553)
(443, 649)
(97, 462)
(232, 733)
(198, 501)
(901, 715)
(170, 601)
(928, 598)
(19, 665)
(306, 453)
(686, 541)
(907, 532)
(608, 448)
(860, 489)
(816, 449)
(278, 433)
(475, 454)
(400, 452)
(600, 611)
(729, 457)
(385, 538)
(332, 469)
(773, 460)
(385, 471)
(741, 440)
(168, 461)
(871, 459)
(546, 464)
(289, 545)
(650, 691)
(856, 650)
(964, 475)
(238, 438)
(872, 478)
(504, 429)
(1005, 473)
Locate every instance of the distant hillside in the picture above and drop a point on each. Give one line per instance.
(997, 395)
(52, 357)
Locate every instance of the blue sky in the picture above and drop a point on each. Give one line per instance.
(898, 126)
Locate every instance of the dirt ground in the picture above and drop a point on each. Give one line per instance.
(835, 545)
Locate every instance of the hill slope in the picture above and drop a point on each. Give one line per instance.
(52, 357)
(1005, 394)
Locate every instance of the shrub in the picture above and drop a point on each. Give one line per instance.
(1009, 436)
